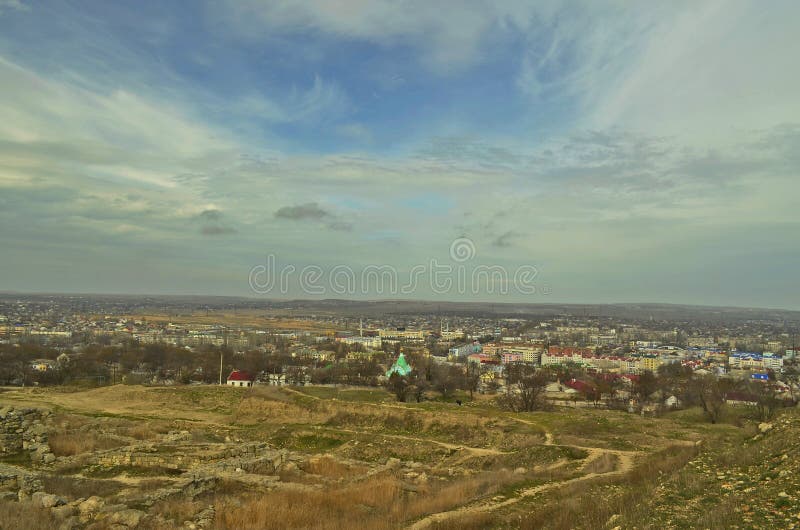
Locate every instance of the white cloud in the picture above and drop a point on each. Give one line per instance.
(448, 34)
(113, 135)
(12, 5)
(323, 101)
(717, 70)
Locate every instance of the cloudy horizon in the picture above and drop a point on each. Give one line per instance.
(629, 152)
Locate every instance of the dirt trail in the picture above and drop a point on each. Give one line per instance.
(625, 464)
(548, 436)
(473, 451)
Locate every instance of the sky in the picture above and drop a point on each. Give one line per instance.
(615, 151)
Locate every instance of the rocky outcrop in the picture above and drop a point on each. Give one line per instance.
(25, 429)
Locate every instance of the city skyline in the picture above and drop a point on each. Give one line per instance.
(629, 153)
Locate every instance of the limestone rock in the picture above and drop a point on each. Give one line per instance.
(393, 463)
(91, 505)
(63, 512)
(47, 500)
(127, 517)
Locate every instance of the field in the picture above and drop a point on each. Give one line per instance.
(260, 319)
(321, 457)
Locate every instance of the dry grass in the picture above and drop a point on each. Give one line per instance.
(177, 510)
(69, 444)
(143, 431)
(448, 496)
(605, 463)
(25, 515)
(377, 503)
(259, 407)
(74, 487)
(472, 521)
(577, 506)
(151, 484)
(324, 510)
(328, 467)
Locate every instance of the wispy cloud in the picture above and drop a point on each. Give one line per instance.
(12, 5)
(323, 101)
(547, 132)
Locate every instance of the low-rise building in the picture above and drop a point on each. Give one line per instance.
(240, 378)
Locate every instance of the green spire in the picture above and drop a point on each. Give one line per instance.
(400, 367)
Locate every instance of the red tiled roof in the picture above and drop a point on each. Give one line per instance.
(239, 375)
(580, 386)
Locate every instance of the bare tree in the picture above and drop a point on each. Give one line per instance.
(709, 392)
(525, 391)
(472, 378)
(765, 397)
(447, 379)
(399, 386)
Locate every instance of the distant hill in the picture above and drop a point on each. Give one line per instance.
(628, 311)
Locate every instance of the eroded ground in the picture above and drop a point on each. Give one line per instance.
(317, 457)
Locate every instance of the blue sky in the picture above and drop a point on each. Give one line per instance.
(627, 151)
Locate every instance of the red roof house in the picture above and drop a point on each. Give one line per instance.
(240, 378)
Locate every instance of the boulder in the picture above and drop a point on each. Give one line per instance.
(764, 428)
(63, 512)
(47, 500)
(91, 505)
(393, 463)
(113, 508)
(127, 517)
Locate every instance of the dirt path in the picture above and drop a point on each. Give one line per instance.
(625, 463)
(473, 451)
(548, 436)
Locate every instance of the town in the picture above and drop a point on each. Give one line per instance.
(396, 264)
(639, 364)
(204, 412)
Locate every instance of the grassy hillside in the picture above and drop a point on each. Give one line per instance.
(268, 457)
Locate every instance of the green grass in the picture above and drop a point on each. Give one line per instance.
(132, 471)
(299, 439)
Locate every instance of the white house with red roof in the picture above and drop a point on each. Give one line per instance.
(240, 378)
